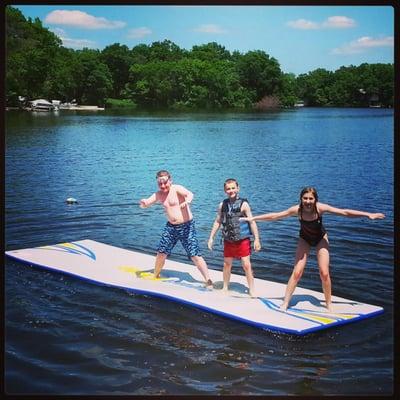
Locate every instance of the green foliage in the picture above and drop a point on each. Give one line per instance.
(260, 73)
(162, 75)
(119, 103)
(93, 78)
(59, 83)
(288, 90)
(210, 52)
(348, 86)
(118, 59)
(187, 83)
(31, 52)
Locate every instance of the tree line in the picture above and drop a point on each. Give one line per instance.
(162, 75)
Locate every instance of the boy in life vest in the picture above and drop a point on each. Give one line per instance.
(180, 225)
(235, 233)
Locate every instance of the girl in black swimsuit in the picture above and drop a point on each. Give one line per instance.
(312, 233)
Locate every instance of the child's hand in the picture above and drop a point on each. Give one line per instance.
(245, 219)
(210, 244)
(142, 203)
(257, 245)
(376, 216)
(183, 205)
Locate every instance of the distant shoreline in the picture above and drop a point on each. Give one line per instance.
(70, 108)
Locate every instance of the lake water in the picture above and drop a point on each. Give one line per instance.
(67, 336)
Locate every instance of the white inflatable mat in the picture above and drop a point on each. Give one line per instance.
(108, 265)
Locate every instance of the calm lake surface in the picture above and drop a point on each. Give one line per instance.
(67, 336)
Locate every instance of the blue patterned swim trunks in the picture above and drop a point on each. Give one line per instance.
(185, 233)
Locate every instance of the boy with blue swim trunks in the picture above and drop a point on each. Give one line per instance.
(180, 225)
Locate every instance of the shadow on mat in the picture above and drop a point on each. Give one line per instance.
(185, 276)
(182, 276)
(298, 298)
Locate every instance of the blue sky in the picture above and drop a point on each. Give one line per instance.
(301, 38)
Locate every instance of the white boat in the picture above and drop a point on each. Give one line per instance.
(41, 105)
(56, 104)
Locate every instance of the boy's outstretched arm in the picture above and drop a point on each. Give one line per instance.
(144, 203)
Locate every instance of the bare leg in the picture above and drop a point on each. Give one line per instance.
(322, 251)
(226, 272)
(160, 261)
(201, 264)
(246, 264)
(303, 248)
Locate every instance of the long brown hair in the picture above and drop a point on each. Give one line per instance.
(313, 191)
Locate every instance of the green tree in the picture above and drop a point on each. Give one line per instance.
(288, 90)
(259, 73)
(140, 54)
(118, 59)
(377, 79)
(210, 52)
(314, 87)
(165, 51)
(187, 83)
(93, 78)
(31, 50)
(60, 84)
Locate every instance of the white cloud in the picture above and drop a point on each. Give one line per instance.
(339, 22)
(363, 44)
(335, 22)
(303, 24)
(210, 28)
(139, 33)
(81, 19)
(73, 43)
(78, 43)
(58, 31)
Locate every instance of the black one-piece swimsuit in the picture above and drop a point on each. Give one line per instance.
(312, 231)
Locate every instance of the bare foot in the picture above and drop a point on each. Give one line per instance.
(209, 284)
(283, 307)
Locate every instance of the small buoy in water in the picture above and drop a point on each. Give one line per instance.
(71, 200)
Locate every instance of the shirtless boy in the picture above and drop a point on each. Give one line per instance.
(180, 225)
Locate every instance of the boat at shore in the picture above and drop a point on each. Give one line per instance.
(55, 105)
(41, 105)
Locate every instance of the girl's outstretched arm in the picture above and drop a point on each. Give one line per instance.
(345, 212)
(291, 211)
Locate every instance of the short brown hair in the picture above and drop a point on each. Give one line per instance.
(229, 180)
(163, 172)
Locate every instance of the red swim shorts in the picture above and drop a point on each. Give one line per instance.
(239, 249)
